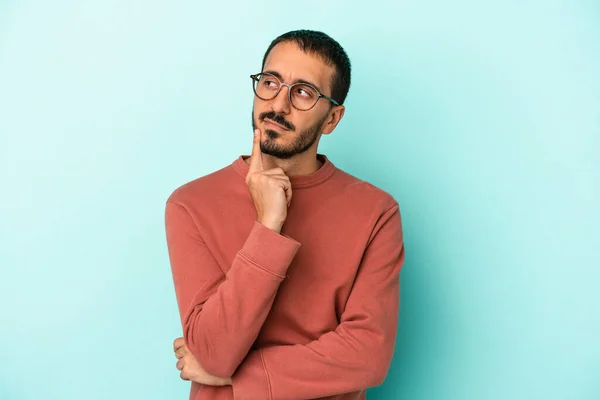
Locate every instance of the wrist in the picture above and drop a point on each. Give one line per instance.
(274, 226)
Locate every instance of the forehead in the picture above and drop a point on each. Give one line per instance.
(292, 64)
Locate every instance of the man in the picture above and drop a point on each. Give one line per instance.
(286, 268)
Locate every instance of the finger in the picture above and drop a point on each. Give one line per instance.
(288, 192)
(286, 185)
(281, 181)
(256, 163)
(273, 171)
(178, 343)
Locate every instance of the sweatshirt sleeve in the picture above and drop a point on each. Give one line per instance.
(358, 353)
(222, 314)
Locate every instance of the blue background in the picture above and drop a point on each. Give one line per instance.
(481, 119)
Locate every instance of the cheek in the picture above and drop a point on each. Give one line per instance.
(259, 107)
(307, 123)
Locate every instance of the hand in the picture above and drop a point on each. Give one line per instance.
(271, 189)
(190, 368)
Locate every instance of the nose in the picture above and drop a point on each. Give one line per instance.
(281, 102)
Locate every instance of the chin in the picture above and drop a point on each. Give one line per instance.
(272, 134)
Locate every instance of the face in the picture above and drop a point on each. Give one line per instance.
(288, 131)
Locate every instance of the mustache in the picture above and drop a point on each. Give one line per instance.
(273, 116)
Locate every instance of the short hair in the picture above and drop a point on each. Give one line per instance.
(325, 47)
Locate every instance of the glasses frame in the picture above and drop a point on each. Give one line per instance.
(255, 78)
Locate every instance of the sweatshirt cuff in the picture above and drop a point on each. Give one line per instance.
(270, 250)
(250, 380)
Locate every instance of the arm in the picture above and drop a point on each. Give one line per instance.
(354, 356)
(222, 314)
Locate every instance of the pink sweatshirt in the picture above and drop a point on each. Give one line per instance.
(308, 313)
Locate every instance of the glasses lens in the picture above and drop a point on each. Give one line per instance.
(304, 96)
(266, 86)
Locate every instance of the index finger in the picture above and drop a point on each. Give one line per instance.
(256, 163)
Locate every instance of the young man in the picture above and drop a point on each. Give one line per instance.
(286, 268)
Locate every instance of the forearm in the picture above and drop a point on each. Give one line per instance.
(222, 314)
(341, 361)
(221, 330)
(358, 353)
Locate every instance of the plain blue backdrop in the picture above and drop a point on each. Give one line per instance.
(481, 118)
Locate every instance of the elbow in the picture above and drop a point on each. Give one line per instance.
(377, 374)
(378, 367)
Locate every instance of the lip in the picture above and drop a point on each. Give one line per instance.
(274, 124)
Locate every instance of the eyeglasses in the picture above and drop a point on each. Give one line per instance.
(302, 96)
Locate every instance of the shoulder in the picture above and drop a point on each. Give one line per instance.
(365, 194)
(203, 188)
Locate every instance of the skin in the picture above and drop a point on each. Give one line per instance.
(278, 152)
(191, 370)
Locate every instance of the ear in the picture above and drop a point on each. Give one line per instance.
(335, 116)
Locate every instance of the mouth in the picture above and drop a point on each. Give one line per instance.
(273, 124)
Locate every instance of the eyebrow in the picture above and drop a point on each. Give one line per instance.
(278, 75)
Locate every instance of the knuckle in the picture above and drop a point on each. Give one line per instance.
(253, 179)
(264, 178)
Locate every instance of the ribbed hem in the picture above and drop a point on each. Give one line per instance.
(269, 250)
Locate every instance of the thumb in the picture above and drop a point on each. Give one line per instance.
(256, 163)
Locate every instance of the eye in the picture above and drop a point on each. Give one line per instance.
(305, 91)
(269, 83)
